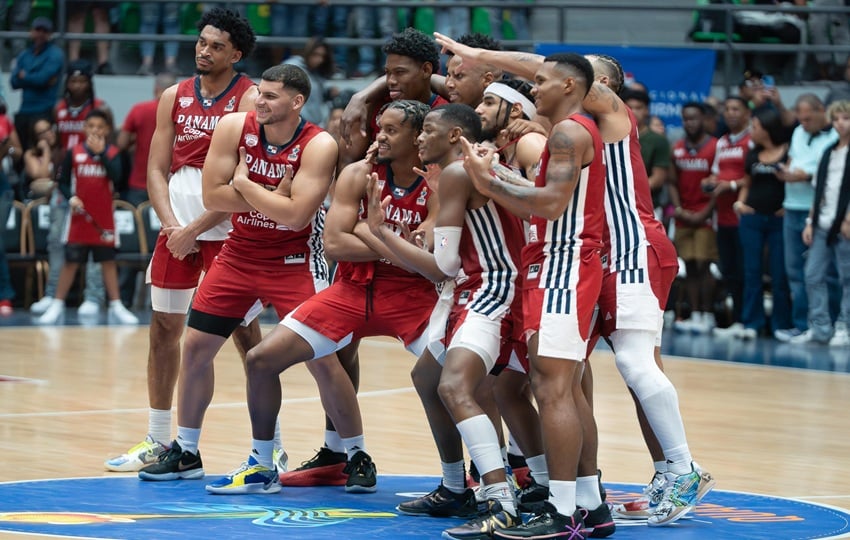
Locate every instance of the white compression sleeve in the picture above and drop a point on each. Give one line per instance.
(447, 249)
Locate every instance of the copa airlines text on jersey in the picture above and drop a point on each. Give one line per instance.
(260, 220)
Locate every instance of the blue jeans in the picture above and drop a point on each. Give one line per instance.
(758, 231)
(795, 262)
(821, 256)
(152, 13)
(6, 290)
(730, 256)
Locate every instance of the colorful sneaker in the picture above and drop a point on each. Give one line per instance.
(521, 471)
(484, 526)
(251, 477)
(442, 502)
(144, 453)
(281, 460)
(547, 524)
(531, 499)
(362, 474)
(174, 464)
(706, 482)
(680, 497)
(642, 507)
(598, 523)
(326, 468)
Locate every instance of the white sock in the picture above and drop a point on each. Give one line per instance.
(539, 469)
(188, 439)
(500, 491)
(159, 425)
(334, 441)
(278, 444)
(562, 494)
(353, 445)
(262, 452)
(587, 492)
(481, 440)
(660, 466)
(454, 476)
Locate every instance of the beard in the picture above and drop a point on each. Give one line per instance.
(490, 134)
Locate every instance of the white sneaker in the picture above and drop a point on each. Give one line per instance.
(806, 337)
(707, 323)
(119, 314)
(735, 330)
(37, 308)
(841, 337)
(684, 326)
(53, 314)
(643, 506)
(785, 335)
(88, 308)
(281, 460)
(748, 333)
(144, 453)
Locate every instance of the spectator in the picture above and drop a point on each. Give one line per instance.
(15, 16)
(759, 207)
(77, 13)
(727, 173)
(10, 146)
(839, 91)
(77, 101)
(656, 124)
(317, 61)
(155, 15)
(760, 92)
(713, 117)
(827, 234)
(337, 107)
(695, 238)
(89, 172)
(808, 142)
(43, 160)
(36, 71)
(830, 29)
(654, 148)
(365, 19)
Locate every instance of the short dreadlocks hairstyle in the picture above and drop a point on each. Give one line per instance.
(414, 44)
(478, 40)
(414, 111)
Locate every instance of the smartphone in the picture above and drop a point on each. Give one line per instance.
(768, 81)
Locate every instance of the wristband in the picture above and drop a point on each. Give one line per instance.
(808, 221)
(734, 185)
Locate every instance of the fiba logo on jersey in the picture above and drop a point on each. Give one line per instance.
(186, 101)
(251, 140)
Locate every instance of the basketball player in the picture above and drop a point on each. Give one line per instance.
(374, 294)
(281, 168)
(563, 274)
(641, 264)
(191, 235)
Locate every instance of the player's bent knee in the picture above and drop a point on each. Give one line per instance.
(175, 301)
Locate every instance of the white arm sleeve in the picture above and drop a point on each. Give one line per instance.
(446, 249)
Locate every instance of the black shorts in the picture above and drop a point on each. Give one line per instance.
(78, 253)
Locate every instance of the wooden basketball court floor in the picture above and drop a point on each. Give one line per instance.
(73, 396)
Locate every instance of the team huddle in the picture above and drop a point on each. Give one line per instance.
(498, 232)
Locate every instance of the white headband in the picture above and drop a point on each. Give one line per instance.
(512, 96)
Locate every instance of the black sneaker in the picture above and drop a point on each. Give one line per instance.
(531, 499)
(598, 523)
(361, 474)
(548, 524)
(174, 464)
(602, 492)
(326, 468)
(442, 502)
(484, 527)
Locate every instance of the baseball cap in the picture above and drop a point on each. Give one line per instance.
(42, 23)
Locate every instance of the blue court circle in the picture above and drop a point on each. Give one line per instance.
(123, 507)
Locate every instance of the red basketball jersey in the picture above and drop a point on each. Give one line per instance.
(70, 121)
(89, 182)
(693, 163)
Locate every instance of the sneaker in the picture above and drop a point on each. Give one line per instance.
(6, 308)
(748, 333)
(840, 338)
(173, 465)
(602, 493)
(706, 482)
(548, 523)
(522, 473)
(361, 473)
(119, 314)
(442, 502)
(326, 468)
(483, 527)
(808, 336)
(733, 331)
(251, 477)
(144, 453)
(54, 314)
(785, 335)
(473, 478)
(531, 499)
(88, 308)
(680, 497)
(145, 70)
(598, 523)
(684, 325)
(641, 508)
(37, 308)
(281, 460)
(706, 324)
(105, 69)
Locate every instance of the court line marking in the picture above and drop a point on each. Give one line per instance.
(236, 405)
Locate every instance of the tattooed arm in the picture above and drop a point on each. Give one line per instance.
(569, 146)
(610, 112)
(521, 64)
